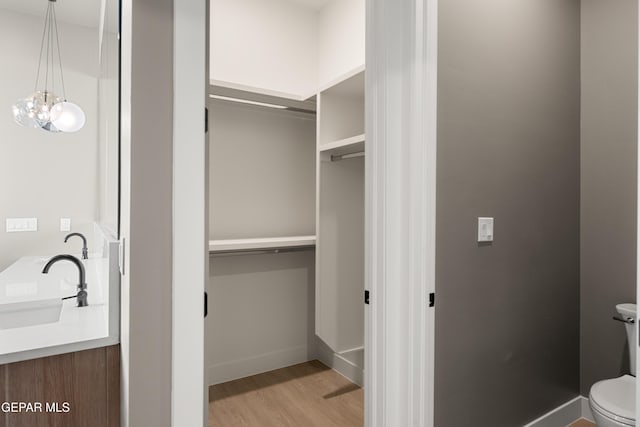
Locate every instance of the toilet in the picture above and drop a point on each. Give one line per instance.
(612, 401)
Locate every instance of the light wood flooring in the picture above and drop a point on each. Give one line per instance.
(582, 423)
(308, 394)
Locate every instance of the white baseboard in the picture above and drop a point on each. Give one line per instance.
(586, 409)
(342, 365)
(565, 414)
(232, 370)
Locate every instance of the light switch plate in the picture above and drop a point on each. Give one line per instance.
(65, 224)
(15, 225)
(485, 229)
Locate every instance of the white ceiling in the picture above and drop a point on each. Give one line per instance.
(87, 12)
(79, 12)
(315, 4)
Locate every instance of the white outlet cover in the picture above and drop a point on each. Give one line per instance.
(485, 229)
(65, 224)
(15, 225)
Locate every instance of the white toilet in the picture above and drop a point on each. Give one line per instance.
(613, 401)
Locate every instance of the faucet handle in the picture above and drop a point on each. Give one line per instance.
(624, 319)
(82, 298)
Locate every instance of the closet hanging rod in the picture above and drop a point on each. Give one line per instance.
(259, 251)
(335, 158)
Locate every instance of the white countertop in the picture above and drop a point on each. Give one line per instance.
(23, 281)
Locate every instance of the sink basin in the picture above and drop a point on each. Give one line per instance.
(29, 298)
(30, 313)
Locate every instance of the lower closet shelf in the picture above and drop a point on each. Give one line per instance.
(275, 244)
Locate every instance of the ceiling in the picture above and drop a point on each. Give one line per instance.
(87, 12)
(315, 4)
(79, 12)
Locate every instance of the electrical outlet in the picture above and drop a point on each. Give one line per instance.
(65, 224)
(15, 225)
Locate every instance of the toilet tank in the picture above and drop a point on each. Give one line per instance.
(628, 311)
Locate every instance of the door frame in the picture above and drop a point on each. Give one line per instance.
(638, 223)
(400, 185)
(190, 214)
(401, 118)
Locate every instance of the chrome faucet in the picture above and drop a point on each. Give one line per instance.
(85, 251)
(82, 285)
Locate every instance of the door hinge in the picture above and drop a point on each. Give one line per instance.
(206, 304)
(206, 120)
(366, 296)
(432, 299)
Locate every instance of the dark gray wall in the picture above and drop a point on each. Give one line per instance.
(507, 317)
(608, 183)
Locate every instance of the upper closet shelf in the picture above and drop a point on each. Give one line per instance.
(354, 144)
(261, 244)
(341, 113)
(355, 76)
(261, 97)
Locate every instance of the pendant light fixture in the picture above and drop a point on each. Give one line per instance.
(43, 109)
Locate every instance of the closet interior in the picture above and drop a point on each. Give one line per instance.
(286, 186)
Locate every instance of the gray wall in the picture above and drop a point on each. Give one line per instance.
(608, 183)
(507, 324)
(261, 313)
(262, 172)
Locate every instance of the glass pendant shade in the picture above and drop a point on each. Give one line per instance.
(23, 113)
(34, 111)
(43, 109)
(67, 116)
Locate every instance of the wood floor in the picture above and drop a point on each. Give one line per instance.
(583, 423)
(308, 394)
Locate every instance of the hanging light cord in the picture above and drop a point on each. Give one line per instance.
(49, 55)
(50, 27)
(44, 34)
(55, 23)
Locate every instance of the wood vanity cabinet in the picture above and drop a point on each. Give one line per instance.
(88, 380)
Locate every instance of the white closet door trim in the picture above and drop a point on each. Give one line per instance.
(400, 211)
(189, 400)
(638, 224)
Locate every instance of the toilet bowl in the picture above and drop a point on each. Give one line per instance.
(612, 401)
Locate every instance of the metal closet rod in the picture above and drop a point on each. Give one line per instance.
(346, 156)
(260, 251)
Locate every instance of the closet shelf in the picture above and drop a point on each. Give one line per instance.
(353, 144)
(355, 75)
(219, 88)
(261, 244)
